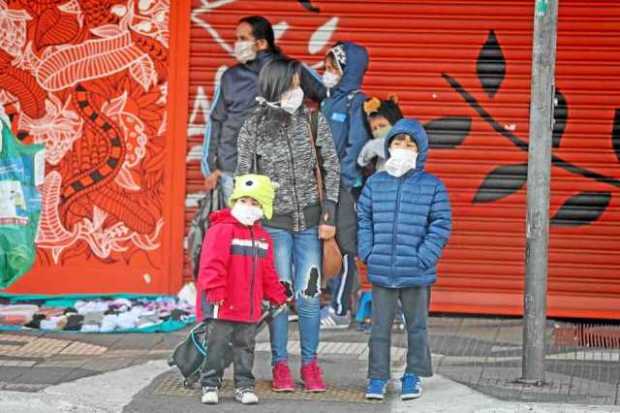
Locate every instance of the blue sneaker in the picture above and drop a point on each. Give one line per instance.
(376, 389)
(411, 387)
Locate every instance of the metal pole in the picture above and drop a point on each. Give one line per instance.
(538, 177)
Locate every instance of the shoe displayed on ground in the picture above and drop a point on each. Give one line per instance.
(282, 379)
(411, 387)
(312, 377)
(210, 395)
(331, 321)
(246, 396)
(376, 389)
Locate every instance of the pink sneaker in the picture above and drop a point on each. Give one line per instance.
(312, 376)
(282, 379)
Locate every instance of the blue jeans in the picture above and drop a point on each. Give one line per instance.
(297, 256)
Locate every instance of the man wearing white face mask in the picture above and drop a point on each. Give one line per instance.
(404, 222)
(235, 98)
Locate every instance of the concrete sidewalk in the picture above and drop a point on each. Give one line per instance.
(476, 362)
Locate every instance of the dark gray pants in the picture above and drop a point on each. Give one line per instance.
(242, 336)
(414, 302)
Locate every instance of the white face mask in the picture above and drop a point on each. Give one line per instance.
(246, 214)
(401, 161)
(244, 51)
(330, 79)
(292, 100)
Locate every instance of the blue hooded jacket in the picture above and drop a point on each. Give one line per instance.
(404, 223)
(343, 108)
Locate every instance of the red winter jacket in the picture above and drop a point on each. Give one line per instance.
(236, 266)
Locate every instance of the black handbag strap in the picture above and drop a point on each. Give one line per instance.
(314, 130)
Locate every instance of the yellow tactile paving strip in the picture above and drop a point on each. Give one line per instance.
(43, 347)
(358, 350)
(78, 348)
(172, 385)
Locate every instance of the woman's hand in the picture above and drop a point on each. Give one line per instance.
(211, 180)
(327, 231)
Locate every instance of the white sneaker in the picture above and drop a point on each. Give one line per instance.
(210, 395)
(331, 321)
(246, 396)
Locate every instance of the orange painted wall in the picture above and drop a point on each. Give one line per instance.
(100, 83)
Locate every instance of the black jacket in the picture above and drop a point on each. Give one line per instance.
(233, 103)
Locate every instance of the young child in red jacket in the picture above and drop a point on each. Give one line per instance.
(237, 272)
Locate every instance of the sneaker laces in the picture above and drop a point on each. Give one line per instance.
(315, 375)
(376, 385)
(281, 371)
(410, 380)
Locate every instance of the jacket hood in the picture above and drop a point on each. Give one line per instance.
(223, 216)
(355, 68)
(414, 129)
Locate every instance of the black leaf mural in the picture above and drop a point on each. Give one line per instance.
(615, 134)
(448, 132)
(560, 116)
(491, 65)
(309, 6)
(502, 182)
(581, 209)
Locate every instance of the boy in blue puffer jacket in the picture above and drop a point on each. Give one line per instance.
(404, 222)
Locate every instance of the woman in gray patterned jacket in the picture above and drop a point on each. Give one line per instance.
(275, 141)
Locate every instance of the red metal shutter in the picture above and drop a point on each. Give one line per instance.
(463, 68)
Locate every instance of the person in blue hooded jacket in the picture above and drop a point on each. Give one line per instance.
(345, 66)
(404, 221)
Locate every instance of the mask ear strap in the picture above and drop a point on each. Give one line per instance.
(262, 101)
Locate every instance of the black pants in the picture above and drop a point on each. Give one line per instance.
(341, 287)
(414, 302)
(219, 336)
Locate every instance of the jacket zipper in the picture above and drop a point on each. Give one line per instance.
(290, 152)
(395, 230)
(252, 282)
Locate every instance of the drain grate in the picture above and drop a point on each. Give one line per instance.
(588, 335)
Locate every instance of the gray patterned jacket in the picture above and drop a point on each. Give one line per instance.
(285, 155)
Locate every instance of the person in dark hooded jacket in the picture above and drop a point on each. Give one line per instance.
(404, 223)
(345, 66)
(235, 99)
